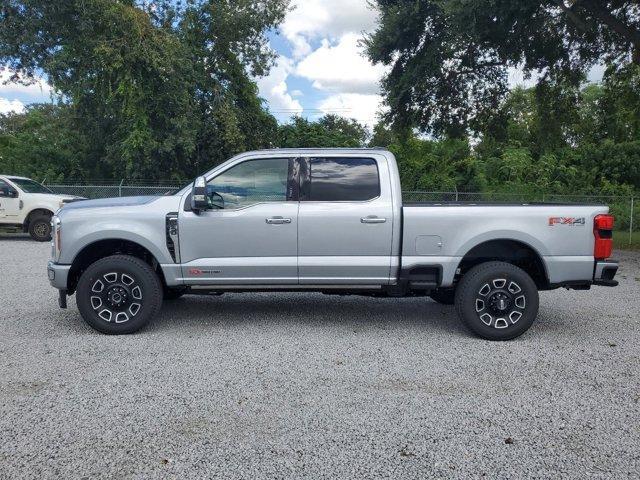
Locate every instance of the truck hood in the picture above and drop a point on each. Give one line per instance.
(111, 202)
(56, 197)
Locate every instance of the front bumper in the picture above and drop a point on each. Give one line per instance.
(58, 275)
(604, 272)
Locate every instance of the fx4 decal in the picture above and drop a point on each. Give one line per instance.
(571, 221)
(197, 271)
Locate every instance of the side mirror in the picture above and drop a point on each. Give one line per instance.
(8, 192)
(199, 199)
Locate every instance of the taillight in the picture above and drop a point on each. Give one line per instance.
(603, 232)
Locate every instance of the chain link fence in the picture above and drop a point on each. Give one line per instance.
(109, 189)
(625, 208)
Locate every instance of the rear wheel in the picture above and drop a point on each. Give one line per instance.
(497, 301)
(445, 296)
(40, 228)
(119, 294)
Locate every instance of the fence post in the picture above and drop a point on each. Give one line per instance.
(631, 223)
(120, 188)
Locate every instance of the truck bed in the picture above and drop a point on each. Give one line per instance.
(561, 234)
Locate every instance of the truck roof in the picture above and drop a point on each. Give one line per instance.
(289, 151)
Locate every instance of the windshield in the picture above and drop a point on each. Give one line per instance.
(29, 186)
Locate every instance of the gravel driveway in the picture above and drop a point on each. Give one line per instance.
(312, 386)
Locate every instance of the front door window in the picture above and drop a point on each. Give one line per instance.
(252, 182)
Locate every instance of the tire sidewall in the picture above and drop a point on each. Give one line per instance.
(144, 276)
(485, 273)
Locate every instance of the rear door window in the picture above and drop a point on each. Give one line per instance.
(340, 180)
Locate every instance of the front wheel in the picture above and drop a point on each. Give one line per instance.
(497, 301)
(40, 228)
(119, 294)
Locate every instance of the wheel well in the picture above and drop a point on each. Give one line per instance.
(106, 248)
(510, 251)
(32, 214)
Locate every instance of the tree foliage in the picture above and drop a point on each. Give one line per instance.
(155, 92)
(328, 131)
(449, 59)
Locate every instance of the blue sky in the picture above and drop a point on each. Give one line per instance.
(320, 66)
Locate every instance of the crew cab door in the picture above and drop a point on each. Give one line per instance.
(345, 221)
(9, 203)
(253, 238)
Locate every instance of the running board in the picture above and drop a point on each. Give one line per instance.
(284, 287)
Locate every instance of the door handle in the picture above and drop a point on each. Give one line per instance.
(372, 219)
(277, 220)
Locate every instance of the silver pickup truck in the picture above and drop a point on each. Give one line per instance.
(323, 220)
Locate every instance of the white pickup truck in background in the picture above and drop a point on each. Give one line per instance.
(27, 206)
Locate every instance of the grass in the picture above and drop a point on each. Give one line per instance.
(621, 240)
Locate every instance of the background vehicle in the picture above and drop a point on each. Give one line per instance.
(27, 206)
(327, 220)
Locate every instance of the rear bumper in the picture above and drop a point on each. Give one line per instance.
(58, 275)
(604, 272)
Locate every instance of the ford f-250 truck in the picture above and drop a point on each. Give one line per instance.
(27, 206)
(323, 220)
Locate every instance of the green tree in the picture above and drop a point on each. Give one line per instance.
(329, 131)
(449, 59)
(41, 143)
(157, 92)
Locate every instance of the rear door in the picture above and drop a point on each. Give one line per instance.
(345, 221)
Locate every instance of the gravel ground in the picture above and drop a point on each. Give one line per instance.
(312, 386)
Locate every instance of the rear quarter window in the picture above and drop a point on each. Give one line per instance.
(341, 180)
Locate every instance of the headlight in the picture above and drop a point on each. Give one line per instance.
(56, 235)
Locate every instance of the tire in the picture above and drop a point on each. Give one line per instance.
(497, 301)
(40, 228)
(119, 294)
(445, 296)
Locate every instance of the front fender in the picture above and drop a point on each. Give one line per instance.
(29, 209)
(72, 247)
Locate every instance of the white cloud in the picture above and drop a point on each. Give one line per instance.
(311, 19)
(273, 88)
(38, 90)
(364, 108)
(323, 36)
(341, 67)
(7, 106)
